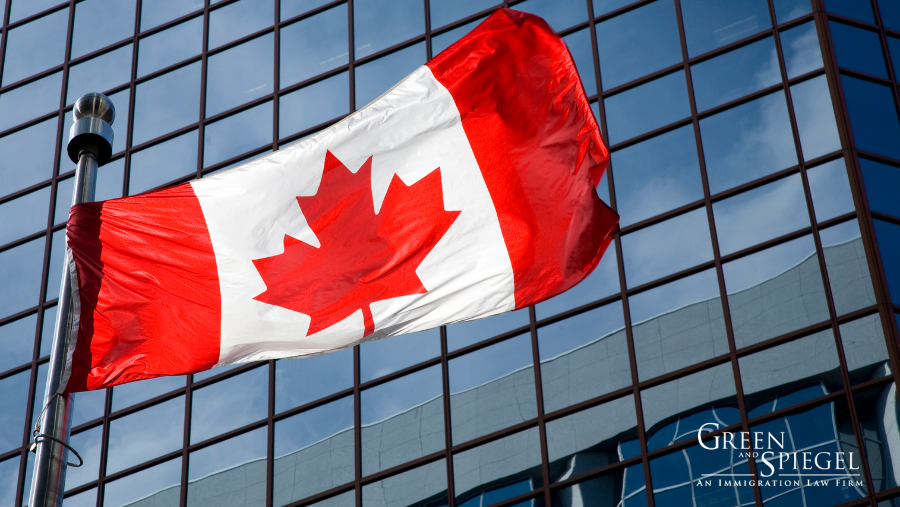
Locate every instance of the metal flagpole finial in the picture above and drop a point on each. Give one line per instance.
(92, 132)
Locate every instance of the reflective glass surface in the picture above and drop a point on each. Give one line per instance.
(687, 243)
(858, 49)
(9, 478)
(786, 10)
(17, 342)
(559, 14)
(26, 102)
(448, 11)
(602, 282)
(152, 432)
(498, 470)
(20, 276)
(157, 12)
(848, 270)
(638, 43)
(300, 381)
(14, 397)
(314, 45)
(678, 324)
(647, 107)
(464, 334)
(163, 162)
(579, 44)
(239, 133)
(240, 74)
(380, 357)
(166, 103)
(737, 73)
(583, 357)
(679, 476)
(861, 10)
(775, 291)
(314, 104)
(865, 349)
(425, 485)
(126, 395)
(239, 19)
(873, 116)
(237, 464)
(229, 404)
(889, 243)
(313, 451)
(101, 73)
(171, 46)
(347, 499)
(380, 24)
(88, 445)
(47, 330)
(873, 408)
(375, 78)
(402, 420)
(88, 35)
(35, 46)
(444, 40)
(37, 403)
(747, 142)
(21, 9)
(22, 162)
(709, 24)
(291, 8)
(800, 46)
(162, 481)
(830, 189)
(890, 13)
(89, 405)
(620, 487)
(881, 182)
(109, 180)
(24, 215)
(85, 499)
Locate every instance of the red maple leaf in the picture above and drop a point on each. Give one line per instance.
(363, 256)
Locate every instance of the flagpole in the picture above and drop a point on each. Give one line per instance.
(90, 146)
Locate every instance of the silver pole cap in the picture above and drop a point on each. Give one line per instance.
(92, 132)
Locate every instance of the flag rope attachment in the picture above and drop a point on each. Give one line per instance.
(40, 437)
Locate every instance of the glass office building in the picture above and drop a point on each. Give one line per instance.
(752, 288)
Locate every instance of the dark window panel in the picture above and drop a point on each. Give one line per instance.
(29, 101)
(217, 472)
(100, 74)
(239, 75)
(638, 43)
(881, 182)
(89, 405)
(21, 9)
(24, 215)
(559, 14)
(238, 19)
(761, 214)
(710, 24)
(647, 107)
(579, 44)
(239, 133)
(425, 485)
(158, 12)
(380, 357)
(589, 439)
(735, 74)
(64, 193)
(48, 328)
(747, 142)
(166, 103)
(161, 482)
(57, 259)
(463, 334)
(88, 35)
(109, 180)
(498, 470)
(133, 393)
(302, 380)
(858, 49)
(890, 14)
(375, 78)
(448, 11)
(894, 51)
(380, 24)
(623, 487)
(20, 277)
(314, 104)
(291, 8)
(865, 349)
(889, 244)
(17, 342)
(775, 291)
(848, 271)
(583, 357)
(313, 46)
(145, 435)
(171, 46)
(873, 116)
(14, 398)
(9, 479)
(673, 475)
(162, 163)
(314, 451)
(830, 190)
(229, 404)
(602, 282)
(24, 159)
(88, 445)
(687, 243)
(445, 40)
(802, 52)
(878, 425)
(678, 324)
(786, 10)
(36, 46)
(856, 9)
(402, 420)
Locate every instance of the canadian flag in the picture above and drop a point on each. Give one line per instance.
(465, 191)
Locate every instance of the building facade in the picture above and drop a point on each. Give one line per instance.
(751, 295)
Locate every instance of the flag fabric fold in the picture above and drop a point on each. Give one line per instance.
(465, 191)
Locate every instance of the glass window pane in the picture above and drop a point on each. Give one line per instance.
(448, 11)
(20, 277)
(801, 49)
(498, 470)
(29, 101)
(347, 499)
(64, 193)
(445, 40)
(162, 163)
(237, 134)
(21, 9)
(865, 349)
(229, 404)
(9, 479)
(830, 189)
(848, 271)
(647, 107)
(747, 142)
(559, 14)
(133, 393)
(158, 12)
(88, 445)
(620, 487)
(889, 245)
(786, 10)
(761, 214)
(35, 46)
(238, 19)
(24, 159)
(402, 420)
(235, 467)
(602, 282)
(687, 243)
(856, 9)
(314, 104)
(14, 400)
(657, 175)
(314, 45)
(89, 405)
(171, 46)
(145, 435)
(380, 24)
(678, 324)
(463, 334)
(160, 484)
(775, 291)
(881, 181)
(491, 389)
(48, 329)
(873, 116)
(583, 357)
(17, 342)
(240, 74)
(166, 103)
(100, 74)
(873, 407)
(425, 485)
(858, 49)
(380, 357)
(638, 43)
(579, 44)
(24, 215)
(313, 451)
(735, 74)
(375, 78)
(709, 24)
(37, 402)
(302, 380)
(89, 35)
(109, 180)
(85, 499)
(291, 8)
